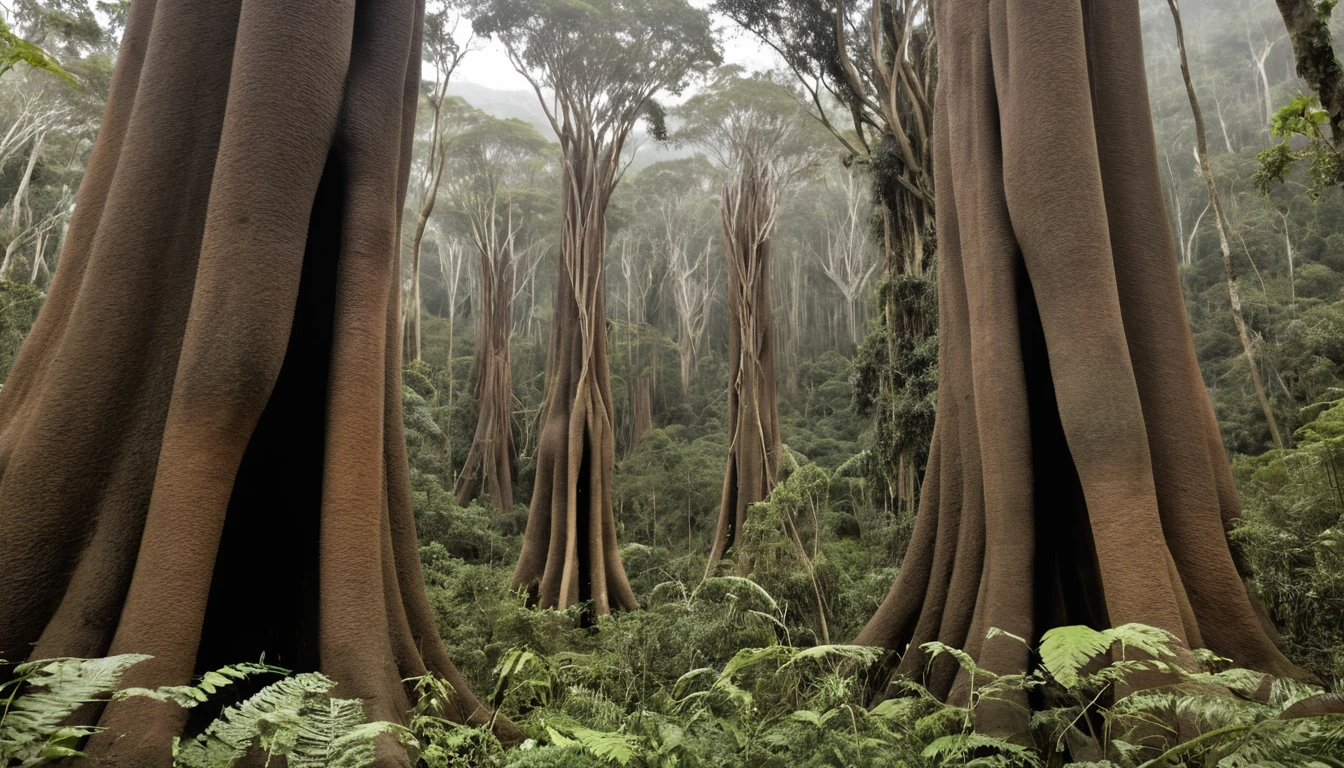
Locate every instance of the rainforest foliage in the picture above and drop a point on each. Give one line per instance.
(722, 667)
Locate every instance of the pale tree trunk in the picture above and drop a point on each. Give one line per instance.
(445, 59)
(452, 255)
(1227, 139)
(1288, 252)
(491, 465)
(1220, 223)
(1188, 247)
(21, 195)
(847, 259)
(692, 287)
(750, 204)
(1260, 56)
(637, 273)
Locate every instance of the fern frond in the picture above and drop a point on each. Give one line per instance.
(1066, 650)
(863, 655)
(43, 694)
(189, 696)
(294, 718)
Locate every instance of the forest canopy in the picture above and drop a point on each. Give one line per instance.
(666, 337)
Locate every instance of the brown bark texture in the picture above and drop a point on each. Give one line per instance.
(570, 554)
(641, 410)
(750, 204)
(1076, 474)
(492, 460)
(201, 441)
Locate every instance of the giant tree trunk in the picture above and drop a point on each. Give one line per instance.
(1076, 474)
(750, 203)
(491, 464)
(185, 438)
(569, 549)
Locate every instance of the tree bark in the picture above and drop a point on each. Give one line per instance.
(1076, 474)
(569, 551)
(750, 203)
(641, 409)
(1221, 225)
(201, 440)
(22, 192)
(1313, 48)
(491, 465)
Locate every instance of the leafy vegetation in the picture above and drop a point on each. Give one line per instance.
(736, 671)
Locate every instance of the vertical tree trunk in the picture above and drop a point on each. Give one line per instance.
(1313, 48)
(22, 192)
(491, 464)
(1220, 223)
(1076, 474)
(569, 551)
(750, 203)
(224, 321)
(641, 409)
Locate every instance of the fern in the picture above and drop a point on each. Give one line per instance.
(294, 718)
(976, 749)
(1065, 651)
(190, 696)
(615, 748)
(43, 695)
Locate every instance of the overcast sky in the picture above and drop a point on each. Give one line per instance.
(490, 67)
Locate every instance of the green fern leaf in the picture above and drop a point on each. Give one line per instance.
(190, 696)
(44, 694)
(294, 718)
(1145, 639)
(1066, 650)
(860, 654)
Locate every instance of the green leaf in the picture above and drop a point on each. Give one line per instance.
(1066, 650)
(46, 693)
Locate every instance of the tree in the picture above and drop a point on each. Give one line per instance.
(680, 193)
(201, 439)
(846, 256)
(443, 53)
(1308, 24)
(491, 165)
(1221, 225)
(868, 75)
(596, 68)
(1076, 474)
(755, 132)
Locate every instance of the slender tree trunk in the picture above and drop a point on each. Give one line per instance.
(1227, 140)
(491, 465)
(22, 192)
(1288, 251)
(750, 203)
(1220, 223)
(641, 409)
